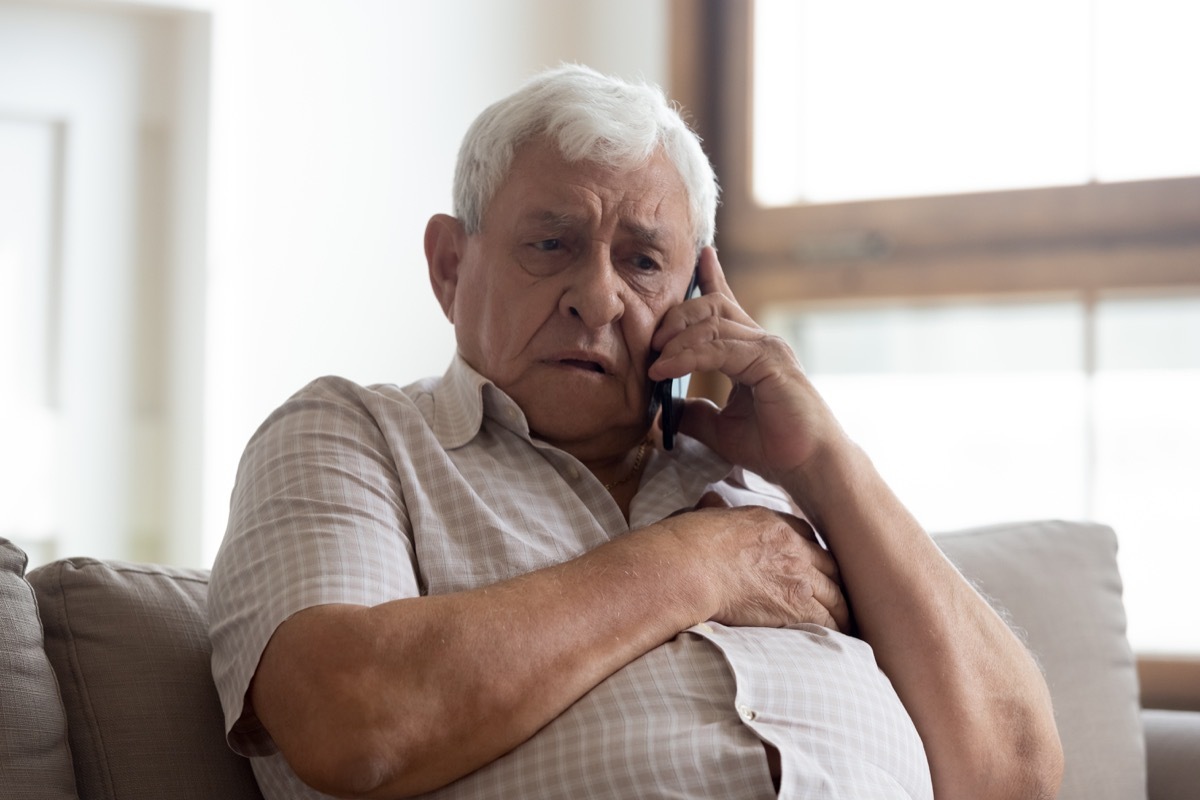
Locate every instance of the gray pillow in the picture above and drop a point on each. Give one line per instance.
(1059, 585)
(34, 759)
(130, 645)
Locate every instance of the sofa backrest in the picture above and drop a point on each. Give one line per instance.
(129, 645)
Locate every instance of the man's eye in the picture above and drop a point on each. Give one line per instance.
(548, 245)
(645, 263)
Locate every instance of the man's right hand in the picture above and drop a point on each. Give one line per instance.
(765, 568)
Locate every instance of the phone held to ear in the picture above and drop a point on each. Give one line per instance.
(669, 394)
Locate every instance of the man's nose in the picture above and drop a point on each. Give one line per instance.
(594, 291)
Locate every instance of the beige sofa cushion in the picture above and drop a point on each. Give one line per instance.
(129, 643)
(34, 759)
(1059, 584)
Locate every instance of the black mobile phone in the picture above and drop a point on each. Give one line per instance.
(668, 395)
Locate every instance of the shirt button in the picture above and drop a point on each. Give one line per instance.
(704, 627)
(572, 472)
(747, 713)
(511, 413)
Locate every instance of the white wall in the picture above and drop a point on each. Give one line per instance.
(98, 87)
(334, 127)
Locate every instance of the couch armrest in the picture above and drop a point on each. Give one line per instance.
(1172, 753)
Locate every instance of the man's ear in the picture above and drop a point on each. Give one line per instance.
(445, 242)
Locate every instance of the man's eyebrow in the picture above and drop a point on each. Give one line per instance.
(647, 235)
(551, 220)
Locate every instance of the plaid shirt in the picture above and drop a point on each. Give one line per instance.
(349, 494)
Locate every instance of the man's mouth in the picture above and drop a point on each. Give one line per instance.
(577, 363)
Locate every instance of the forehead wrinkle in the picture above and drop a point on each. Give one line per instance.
(547, 219)
(663, 227)
(646, 228)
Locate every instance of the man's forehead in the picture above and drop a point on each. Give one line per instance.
(648, 200)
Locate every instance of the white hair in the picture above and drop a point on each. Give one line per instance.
(590, 117)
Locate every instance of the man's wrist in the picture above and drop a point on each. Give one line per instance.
(825, 479)
(685, 554)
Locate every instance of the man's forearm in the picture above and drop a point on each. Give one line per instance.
(410, 695)
(975, 694)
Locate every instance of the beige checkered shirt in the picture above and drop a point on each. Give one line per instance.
(363, 495)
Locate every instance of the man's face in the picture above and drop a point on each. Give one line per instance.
(559, 293)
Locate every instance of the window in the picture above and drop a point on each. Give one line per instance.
(972, 97)
(1027, 408)
(1029, 305)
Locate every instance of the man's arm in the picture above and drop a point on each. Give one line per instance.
(974, 692)
(407, 696)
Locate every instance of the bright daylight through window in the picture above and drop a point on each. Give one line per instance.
(1004, 411)
(875, 98)
(1077, 405)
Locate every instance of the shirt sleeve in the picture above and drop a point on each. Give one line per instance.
(317, 516)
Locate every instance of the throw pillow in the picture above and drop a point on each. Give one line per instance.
(1058, 583)
(130, 645)
(34, 759)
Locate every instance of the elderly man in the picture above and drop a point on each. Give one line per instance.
(499, 583)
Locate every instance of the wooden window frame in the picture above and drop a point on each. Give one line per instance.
(1087, 239)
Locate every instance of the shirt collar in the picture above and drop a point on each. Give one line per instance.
(676, 479)
(463, 397)
(461, 400)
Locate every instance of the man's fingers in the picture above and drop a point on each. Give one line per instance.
(824, 578)
(826, 564)
(710, 308)
(822, 559)
(699, 420)
(829, 595)
(744, 354)
(786, 576)
(821, 579)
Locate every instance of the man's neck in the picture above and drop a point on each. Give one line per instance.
(615, 461)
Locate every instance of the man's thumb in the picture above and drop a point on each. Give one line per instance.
(699, 420)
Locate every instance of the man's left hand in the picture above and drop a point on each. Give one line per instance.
(773, 422)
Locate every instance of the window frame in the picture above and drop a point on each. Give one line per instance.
(1085, 238)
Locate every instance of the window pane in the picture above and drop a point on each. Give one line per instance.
(959, 338)
(1148, 461)
(1147, 114)
(971, 412)
(857, 99)
(876, 98)
(984, 413)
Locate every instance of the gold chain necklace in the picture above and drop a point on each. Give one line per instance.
(637, 466)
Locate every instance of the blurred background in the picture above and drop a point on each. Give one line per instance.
(978, 224)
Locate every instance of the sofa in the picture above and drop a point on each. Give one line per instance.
(105, 690)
